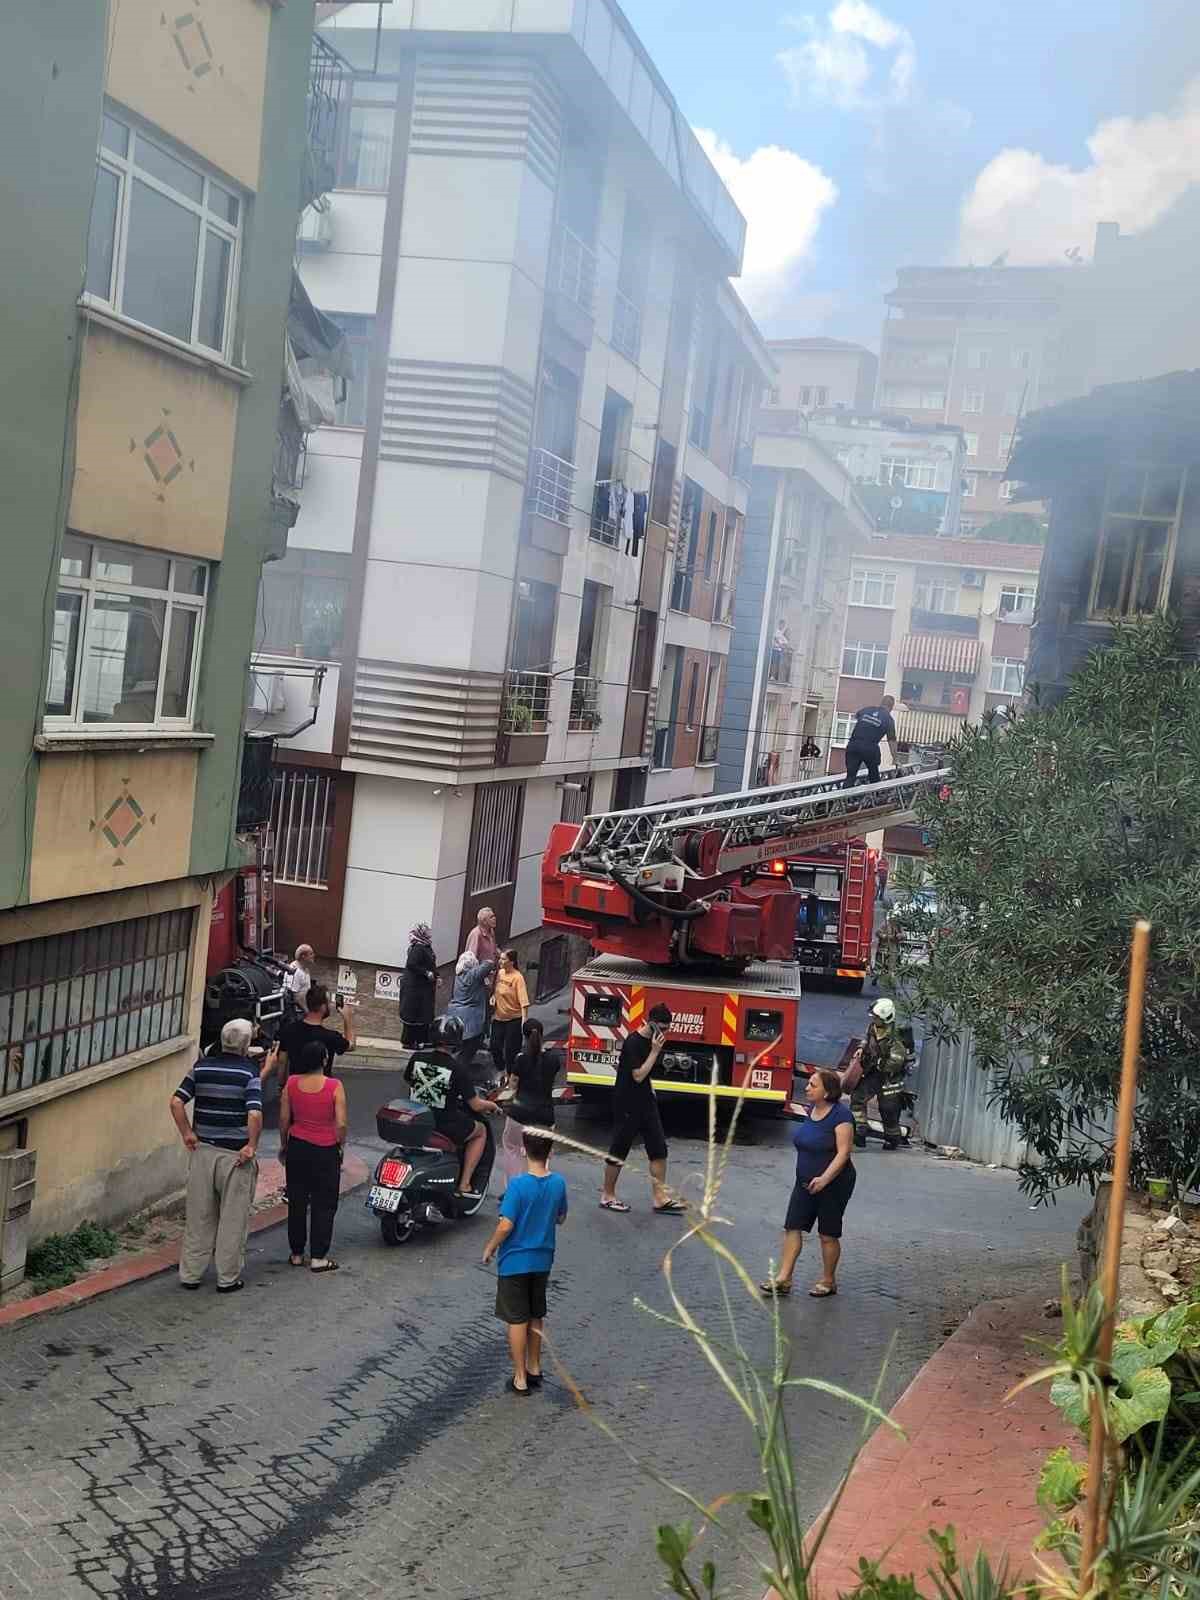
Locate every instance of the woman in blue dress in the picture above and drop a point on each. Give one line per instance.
(825, 1179)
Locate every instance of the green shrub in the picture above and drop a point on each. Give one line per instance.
(59, 1258)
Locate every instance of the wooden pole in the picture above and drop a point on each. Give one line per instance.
(1095, 1506)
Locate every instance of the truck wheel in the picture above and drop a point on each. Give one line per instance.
(852, 985)
(396, 1230)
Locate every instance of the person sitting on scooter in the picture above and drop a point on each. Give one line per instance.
(440, 1081)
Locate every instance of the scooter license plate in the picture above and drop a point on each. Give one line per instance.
(384, 1199)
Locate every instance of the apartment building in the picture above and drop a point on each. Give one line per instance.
(943, 626)
(804, 521)
(520, 540)
(140, 427)
(909, 475)
(980, 348)
(814, 373)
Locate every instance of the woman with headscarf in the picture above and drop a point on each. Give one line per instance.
(418, 987)
(469, 1002)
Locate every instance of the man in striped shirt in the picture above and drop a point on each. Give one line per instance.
(222, 1142)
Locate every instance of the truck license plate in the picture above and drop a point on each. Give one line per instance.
(760, 1078)
(818, 970)
(384, 1199)
(596, 1058)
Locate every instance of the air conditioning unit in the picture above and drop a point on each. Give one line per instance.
(972, 580)
(316, 229)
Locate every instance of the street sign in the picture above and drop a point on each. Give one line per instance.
(387, 985)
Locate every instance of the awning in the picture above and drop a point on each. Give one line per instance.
(927, 727)
(940, 652)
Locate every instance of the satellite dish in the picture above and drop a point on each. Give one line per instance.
(896, 502)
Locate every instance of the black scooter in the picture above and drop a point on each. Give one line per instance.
(415, 1181)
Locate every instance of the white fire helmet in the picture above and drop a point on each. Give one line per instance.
(884, 1011)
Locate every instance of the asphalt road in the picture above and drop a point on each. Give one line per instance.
(350, 1436)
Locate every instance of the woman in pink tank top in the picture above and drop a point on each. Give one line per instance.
(312, 1132)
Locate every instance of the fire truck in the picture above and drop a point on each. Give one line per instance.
(693, 904)
(835, 918)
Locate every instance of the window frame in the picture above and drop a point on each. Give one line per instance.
(839, 740)
(971, 446)
(358, 330)
(970, 485)
(865, 648)
(905, 473)
(304, 839)
(974, 401)
(861, 577)
(1004, 665)
(945, 587)
(365, 102)
(978, 356)
(126, 171)
(1129, 579)
(174, 600)
(1018, 591)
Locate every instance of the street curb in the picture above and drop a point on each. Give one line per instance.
(971, 1457)
(151, 1262)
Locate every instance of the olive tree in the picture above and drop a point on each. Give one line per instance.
(1052, 835)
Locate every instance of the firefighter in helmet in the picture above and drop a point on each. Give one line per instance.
(883, 1062)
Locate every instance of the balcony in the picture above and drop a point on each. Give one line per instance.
(710, 738)
(573, 273)
(328, 76)
(524, 719)
(585, 705)
(927, 727)
(793, 560)
(605, 525)
(779, 667)
(924, 621)
(553, 485)
(627, 327)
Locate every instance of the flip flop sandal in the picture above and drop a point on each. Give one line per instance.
(512, 1389)
(292, 1262)
(822, 1291)
(534, 1380)
(779, 1290)
(329, 1266)
(613, 1205)
(673, 1208)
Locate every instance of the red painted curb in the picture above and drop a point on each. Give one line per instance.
(151, 1262)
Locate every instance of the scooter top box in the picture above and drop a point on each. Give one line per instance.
(403, 1122)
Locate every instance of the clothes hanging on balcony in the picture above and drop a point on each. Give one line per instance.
(640, 505)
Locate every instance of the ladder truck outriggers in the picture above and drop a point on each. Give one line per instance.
(692, 904)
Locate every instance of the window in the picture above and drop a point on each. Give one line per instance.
(1005, 449)
(865, 660)
(492, 860)
(977, 358)
(771, 397)
(692, 694)
(686, 546)
(821, 397)
(839, 733)
(1007, 489)
(804, 397)
(710, 548)
(125, 643)
(972, 400)
(1022, 359)
(302, 811)
(350, 407)
(872, 588)
(899, 472)
(970, 485)
(936, 594)
(366, 158)
(913, 397)
(1005, 676)
(75, 1000)
(971, 443)
(704, 384)
(304, 604)
(1013, 402)
(164, 238)
(1136, 553)
(1017, 597)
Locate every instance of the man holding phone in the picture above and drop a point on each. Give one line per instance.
(635, 1111)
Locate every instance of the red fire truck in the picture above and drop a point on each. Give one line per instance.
(693, 904)
(835, 916)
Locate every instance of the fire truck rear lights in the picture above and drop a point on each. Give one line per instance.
(779, 869)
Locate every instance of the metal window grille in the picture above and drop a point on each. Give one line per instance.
(302, 811)
(553, 485)
(494, 845)
(75, 1000)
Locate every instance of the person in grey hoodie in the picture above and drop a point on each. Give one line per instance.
(469, 1002)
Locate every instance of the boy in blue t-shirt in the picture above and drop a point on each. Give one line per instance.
(534, 1205)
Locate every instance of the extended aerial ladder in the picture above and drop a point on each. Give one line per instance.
(680, 883)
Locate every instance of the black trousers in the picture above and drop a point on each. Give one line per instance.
(887, 1093)
(505, 1043)
(313, 1175)
(862, 755)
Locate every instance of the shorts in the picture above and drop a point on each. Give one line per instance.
(521, 1297)
(643, 1119)
(825, 1209)
(455, 1126)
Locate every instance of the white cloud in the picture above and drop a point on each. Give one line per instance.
(1036, 209)
(782, 197)
(856, 57)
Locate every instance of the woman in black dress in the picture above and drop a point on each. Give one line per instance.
(418, 988)
(530, 1085)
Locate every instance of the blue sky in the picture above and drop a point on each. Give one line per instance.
(904, 107)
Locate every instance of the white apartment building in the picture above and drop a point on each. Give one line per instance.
(814, 373)
(908, 475)
(520, 539)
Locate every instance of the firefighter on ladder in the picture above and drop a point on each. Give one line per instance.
(879, 1069)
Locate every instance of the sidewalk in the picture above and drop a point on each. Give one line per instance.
(971, 1458)
(392, 1055)
(164, 1258)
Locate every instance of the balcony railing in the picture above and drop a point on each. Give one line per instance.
(710, 738)
(605, 525)
(574, 272)
(585, 705)
(328, 76)
(627, 327)
(723, 604)
(553, 485)
(779, 668)
(525, 706)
